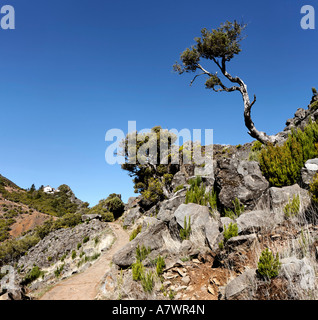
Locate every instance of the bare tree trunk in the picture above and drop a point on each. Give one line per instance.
(253, 132)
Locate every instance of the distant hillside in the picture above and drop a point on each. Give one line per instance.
(7, 183)
(55, 204)
(24, 210)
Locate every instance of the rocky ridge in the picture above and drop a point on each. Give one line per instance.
(204, 265)
(199, 267)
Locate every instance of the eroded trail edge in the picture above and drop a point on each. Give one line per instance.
(85, 285)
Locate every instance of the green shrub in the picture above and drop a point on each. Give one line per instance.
(185, 232)
(268, 266)
(313, 188)
(58, 271)
(86, 239)
(135, 233)
(137, 270)
(142, 253)
(238, 210)
(79, 245)
(110, 208)
(147, 281)
(57, 204)
(32, 275)
(292, 207)
(73, 254)
(281, 165)
(314, 105)
(160, 265)
(180, 187)
(230, 231)
(11, 250)
(154, 192)
(197, 194)
(96, 240)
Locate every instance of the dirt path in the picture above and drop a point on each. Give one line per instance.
(84, 286)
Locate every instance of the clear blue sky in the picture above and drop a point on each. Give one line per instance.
(74, 69)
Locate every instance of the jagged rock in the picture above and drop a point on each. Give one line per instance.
(185, 247)
(253, 221)
(131, 216)
(147, 222)
(308, 172)
(279, 197)
(299, 273)
(239, 288)
(242, 240)
(178, 179)
(168, 207)
(240, 179)
(225, 221)
(132, 202)
(203, 226)
(156, 237)
(50, 249)
(10, 288)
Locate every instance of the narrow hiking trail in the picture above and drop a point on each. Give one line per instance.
(85, 285)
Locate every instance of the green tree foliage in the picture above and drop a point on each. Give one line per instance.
(110, 209)
(148, 161)
(268, 265)
(281, 165)
(221, 43)
(142, 252)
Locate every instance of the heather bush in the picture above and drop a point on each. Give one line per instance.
(268, 266)
(281, 164)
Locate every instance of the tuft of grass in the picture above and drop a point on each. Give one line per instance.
(185, 232)
(292, 207)
(230, 231)
(135, 233)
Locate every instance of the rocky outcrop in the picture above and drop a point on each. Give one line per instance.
(308, 172)
(62, 241)
(240, 179)
(299, 273)
(279, 197)
(240, 287)
(156, 238)
(204, 228)
(254, 221)
(168, 207)
(10, 288)
(132, 215)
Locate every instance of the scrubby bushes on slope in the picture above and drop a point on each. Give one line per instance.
(281, 165)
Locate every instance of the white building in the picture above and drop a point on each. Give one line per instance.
(49, 189)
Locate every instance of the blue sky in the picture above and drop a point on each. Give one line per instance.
(71, 70)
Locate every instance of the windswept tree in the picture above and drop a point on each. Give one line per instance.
(220, 46)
